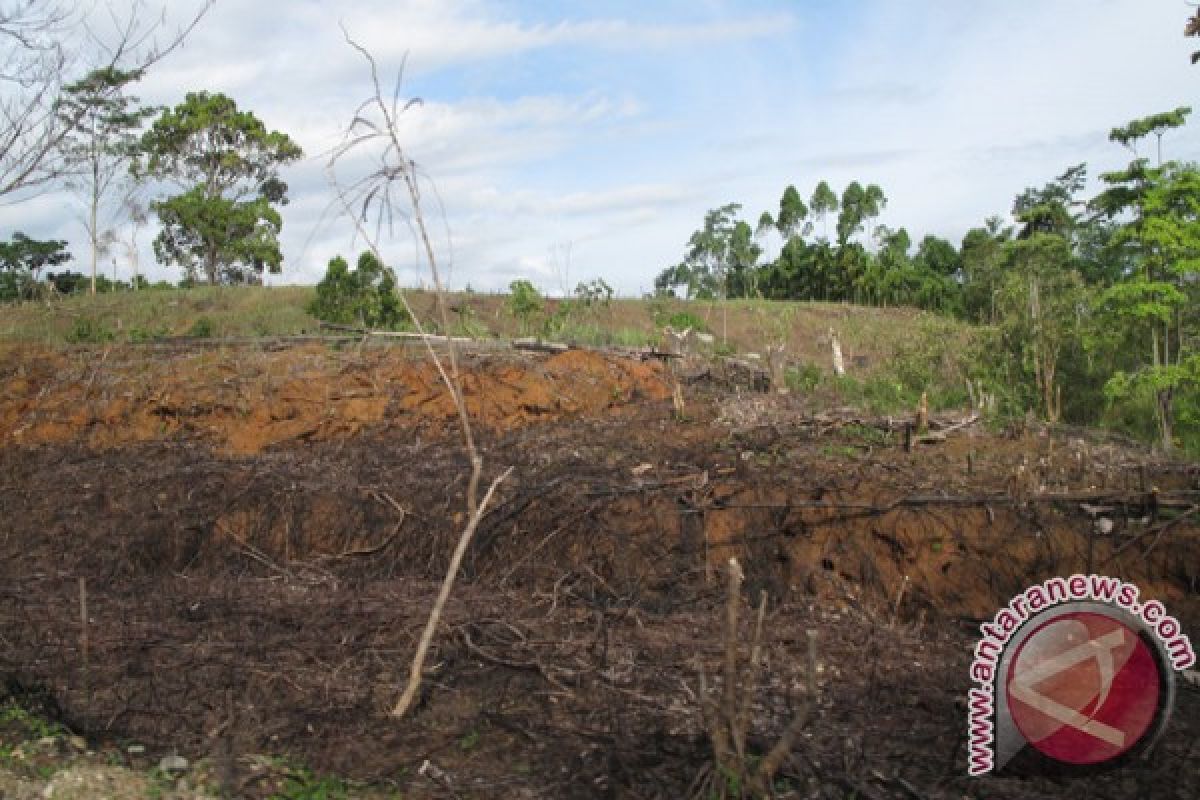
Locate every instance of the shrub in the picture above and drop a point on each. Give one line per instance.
(87, 330)
(365, 296)
(524, 300)
(681, 320)
(202, 328)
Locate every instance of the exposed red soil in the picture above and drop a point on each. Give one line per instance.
(259, 586)
(243, 401)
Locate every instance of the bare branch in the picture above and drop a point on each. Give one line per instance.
(42, 43)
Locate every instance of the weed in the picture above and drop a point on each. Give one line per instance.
(202, 328)
(470, 741)
(681, 320)
(804, 378)
(30, 725)
(304, 785)
(88, 330)
(139, 334)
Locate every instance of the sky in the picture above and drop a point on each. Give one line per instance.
(571, 140)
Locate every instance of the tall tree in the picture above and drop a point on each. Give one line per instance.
(224, 223)
(744, 252)
(1155, 125)
(850, 220)
(873, 204)
(1054, 208)
(1157, 215)
(824, 202)
(792, 214)
(98, 148)
(983, 264)
(1040, 300)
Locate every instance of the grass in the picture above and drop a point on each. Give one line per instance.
(155, 314)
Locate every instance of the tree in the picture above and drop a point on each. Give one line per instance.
(42, 44)
(744, 252)
(939, 257)
(1052, 208)
(1041, 299)
(874, 202)
(1157, 211)
(851, 217)
(1152, 304)
(824, 202)
(21, 261)
(99, 146)
(792, 214)
(859, 206)
(983, 264)
(710, 254)
(224, 222)
(1156, 125)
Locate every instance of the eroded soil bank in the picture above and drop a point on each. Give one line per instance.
(262, 535)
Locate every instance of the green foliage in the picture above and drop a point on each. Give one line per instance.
(202, 328)
(88, 330)
(682, 320)
(21, 261)
(365, 296)
(224, 223)
(524, 301)
(720, 256)
(803, 378)
(594, 293)
(26, 725)
(302, 784)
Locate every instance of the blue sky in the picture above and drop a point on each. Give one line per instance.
(606, 129)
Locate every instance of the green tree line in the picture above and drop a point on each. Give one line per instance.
(1088, 303)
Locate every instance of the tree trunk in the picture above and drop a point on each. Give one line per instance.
(1166, 422)
(93, 214)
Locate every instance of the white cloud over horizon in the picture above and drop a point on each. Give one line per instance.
(612, 127)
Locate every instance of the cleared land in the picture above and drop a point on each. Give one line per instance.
(262, 529)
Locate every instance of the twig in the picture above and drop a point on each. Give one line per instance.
(83, 639)
(729, 689)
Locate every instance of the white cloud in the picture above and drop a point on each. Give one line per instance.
(617, 131)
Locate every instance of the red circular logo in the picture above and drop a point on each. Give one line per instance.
(1083, 688)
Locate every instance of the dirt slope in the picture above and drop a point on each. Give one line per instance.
(262, 534)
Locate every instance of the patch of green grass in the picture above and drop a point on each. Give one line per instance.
(470, 741)
(302, 784)
(89, 330)
(803, 378)
(25, 724)
(202, 328)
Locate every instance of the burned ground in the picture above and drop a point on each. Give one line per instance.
(262, 535)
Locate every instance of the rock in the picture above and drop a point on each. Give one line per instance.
(173, 764)
(78, 743)
(136, 749)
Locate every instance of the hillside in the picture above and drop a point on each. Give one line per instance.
(891, 354)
